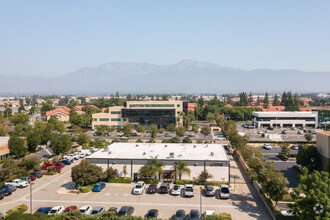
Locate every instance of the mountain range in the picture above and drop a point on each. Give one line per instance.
(184, 77)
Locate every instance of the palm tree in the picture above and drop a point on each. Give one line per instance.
(180, 168)
(155, 167)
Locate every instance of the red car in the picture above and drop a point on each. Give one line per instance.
(70, 208)
(55, 165)
(33, 177)
(85, 130)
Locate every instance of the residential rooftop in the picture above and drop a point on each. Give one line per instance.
(164, 151)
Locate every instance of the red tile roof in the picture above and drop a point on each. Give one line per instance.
(63, 110)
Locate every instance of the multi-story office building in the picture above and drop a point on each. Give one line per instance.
(285, 119)
(323, 147)
(161, 113)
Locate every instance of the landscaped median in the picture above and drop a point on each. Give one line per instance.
(195, 182)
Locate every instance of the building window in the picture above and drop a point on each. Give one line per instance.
(95, 127)
(151, 105)
(104, 119)
(118, 126)
(178, 113)
(115, 112)
(178, 105)
(124, 119)
(95, 119)
(115, 119)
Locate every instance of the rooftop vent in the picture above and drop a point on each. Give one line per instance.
(136, 145)
(180, 155)
(172, 155)
(144, 153)
(195, 146)
(212, 153)
(165, 145)
(206, 146)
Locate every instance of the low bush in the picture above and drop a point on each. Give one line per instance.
(195, 182)
(293, 155)
(149, 181)
(86, 189)
(20, 208)
(287, 198)
(120, 180)
(221, 216)
(283, 157)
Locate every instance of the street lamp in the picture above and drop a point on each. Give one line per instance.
(31, 197)
(238, 177)
(200, 202)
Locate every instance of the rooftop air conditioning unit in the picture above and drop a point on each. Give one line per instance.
(136, 145)
(165, 145)
(212, 153)
(171, 155)
(144, 153)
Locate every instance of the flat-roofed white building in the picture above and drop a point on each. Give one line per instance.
(285, 119)
(211, 157)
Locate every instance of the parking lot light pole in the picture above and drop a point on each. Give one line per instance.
(200, 203)
(31, 198)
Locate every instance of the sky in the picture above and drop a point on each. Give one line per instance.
(52, 38)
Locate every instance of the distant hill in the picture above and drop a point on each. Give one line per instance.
(184, 77)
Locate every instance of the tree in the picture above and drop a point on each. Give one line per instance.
(83, 139)
(86, 173)
(204, 176)
(60, 144)
(127, 130)
(276, 102)
(258, 101)
(266, 101)
(220, 120)
(239, 141)
(17, 146)
(155, 167)
(125, 170)
(46, 107)
(110, 173)
(77, 119)
(30, 163)
(311, 194)
(100, 130)
(250, 99)
(180, 167)
(140, 128)
(144, 172)
(243, 101)
(20, 118)
(59, 126)
(3, 131)
(139, 140)
(76, 129)
(33, 139)
(308, 157)
(153, 130)
(205, 131)
(210, 117)
(171, 128)
(186, 140)
(180, 131)
(8, 112)
(308, 137)
(285, 151)
(195, 128)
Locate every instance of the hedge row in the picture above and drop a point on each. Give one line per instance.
(149, 181)
(86, 189)
(195, 182)
(120, 180)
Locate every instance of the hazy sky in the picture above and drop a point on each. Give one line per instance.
(50, 38)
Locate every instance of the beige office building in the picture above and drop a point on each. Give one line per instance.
(323, 147)
(146, 113)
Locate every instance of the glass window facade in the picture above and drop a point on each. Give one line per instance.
(104, 119)
(116, 112)
(285, 118)
(151, 106)
(115, 119)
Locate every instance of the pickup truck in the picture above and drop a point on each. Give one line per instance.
(18, 183)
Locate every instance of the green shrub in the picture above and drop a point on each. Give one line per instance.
(20, 208)
(149, 181)
(213, 183)
(120, 180)
(287, 197)
(86, 189)
(293, 155)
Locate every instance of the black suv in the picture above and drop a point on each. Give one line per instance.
(164, 188)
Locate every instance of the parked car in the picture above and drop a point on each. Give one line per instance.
(179, 215)
(267, 131)
(98, 187)
(92, 149)
(11, 187)
(260, 132)
(267, 146)
(113, 209)
(26, 178)
(139, 187)
(192, 134)
(86, 209)
(70, 208)
(300, 132)
(43, 210)
(193, 215)
(209, 191)
(97, 210)
(285, 132)
(95, 134)
(18, 183)
(85, 153)
(106, 135)
(7, 191)
(85, 130)
(2, 195)
(221, 138)
(176, 190)
(134, 134)
(33, 177)
(207, 213)
(120, 134)
(126, 211)
(37, 174)
(55, 165)
(287, 212)
(66, 162)
(152, 189)
(56, 210)
(152, 213)
(271, 128)
(189, 190)
(293, 128)
(166, 135)
(164, 188)
(294, 147)
(224, 191)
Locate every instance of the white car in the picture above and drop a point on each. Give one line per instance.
(267, 146)
(56, 210)
(208, 212)
(120, 134)
(189, 190)
(86, 209)
(138, 189)
(260, 132)
(192, 134)
(224, 191)
(176, 190)
(221, 138)
(288, 212)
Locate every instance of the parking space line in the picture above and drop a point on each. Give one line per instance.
(123, 185)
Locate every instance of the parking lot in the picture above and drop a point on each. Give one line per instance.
(276, 134)
(48, 191)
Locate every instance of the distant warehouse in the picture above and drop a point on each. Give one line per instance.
(285, 119)
(210, 157)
